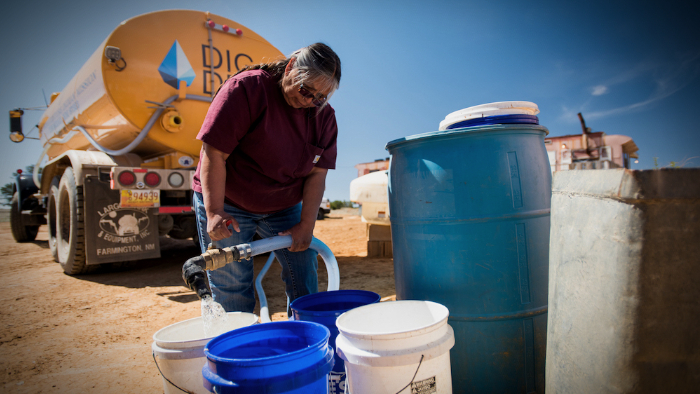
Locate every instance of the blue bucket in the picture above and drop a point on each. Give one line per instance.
(291, 357)
(324, 308)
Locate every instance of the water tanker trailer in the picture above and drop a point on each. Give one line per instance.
(120, 138)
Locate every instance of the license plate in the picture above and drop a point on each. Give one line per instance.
(139, 198)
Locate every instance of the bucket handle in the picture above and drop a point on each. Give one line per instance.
(189, 392)
(412, 379)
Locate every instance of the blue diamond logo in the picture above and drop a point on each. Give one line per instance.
(176, 67)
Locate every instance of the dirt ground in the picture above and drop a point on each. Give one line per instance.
(93, 333)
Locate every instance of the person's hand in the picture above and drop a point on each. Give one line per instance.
(301, 236)
(217, 225)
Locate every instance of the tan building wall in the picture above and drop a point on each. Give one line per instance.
(377, 165)
(590, 151)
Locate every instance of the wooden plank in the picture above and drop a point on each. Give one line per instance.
(378, 232)
(379, 249)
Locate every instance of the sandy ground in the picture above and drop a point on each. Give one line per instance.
(93, 333)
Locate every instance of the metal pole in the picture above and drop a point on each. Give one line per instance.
(211, 60)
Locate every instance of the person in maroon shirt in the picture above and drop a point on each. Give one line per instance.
(269, 139)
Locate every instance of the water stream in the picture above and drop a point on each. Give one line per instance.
(214, 318)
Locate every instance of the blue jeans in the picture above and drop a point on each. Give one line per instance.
(232, 285)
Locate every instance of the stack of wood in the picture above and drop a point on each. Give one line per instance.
(379, 241)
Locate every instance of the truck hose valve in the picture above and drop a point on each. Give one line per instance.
(217, 258)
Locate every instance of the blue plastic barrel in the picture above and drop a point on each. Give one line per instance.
(470, 214)
(291, 357)
(324, 308)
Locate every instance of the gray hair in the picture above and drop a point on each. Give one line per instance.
(316, 62)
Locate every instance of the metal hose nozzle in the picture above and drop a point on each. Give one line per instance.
(195, 276)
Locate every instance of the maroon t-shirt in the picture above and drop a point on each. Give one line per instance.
(272, 145)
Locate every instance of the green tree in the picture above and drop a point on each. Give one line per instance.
(6, 189)
(337, 204)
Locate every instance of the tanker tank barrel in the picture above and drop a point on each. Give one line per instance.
(167, 67)
(141, 122)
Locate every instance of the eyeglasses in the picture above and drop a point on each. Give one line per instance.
(317, 101)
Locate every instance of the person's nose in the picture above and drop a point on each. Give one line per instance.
(307, 100)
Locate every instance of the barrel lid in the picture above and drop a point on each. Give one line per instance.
(499, 119)
(488, 110)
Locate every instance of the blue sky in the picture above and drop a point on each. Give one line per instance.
(630, 68)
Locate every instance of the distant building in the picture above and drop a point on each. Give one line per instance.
(374, 166)
(590, 151)
(585, 151)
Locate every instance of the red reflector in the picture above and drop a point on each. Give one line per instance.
(19, 171)
(140, 170)
(126, 178)
(152, 179)
(174, 209)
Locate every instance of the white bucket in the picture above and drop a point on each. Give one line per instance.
(178, 350)
(392, 346)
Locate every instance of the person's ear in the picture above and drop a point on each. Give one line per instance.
(290, 66)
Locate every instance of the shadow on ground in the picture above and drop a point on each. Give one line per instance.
(41, 244)
(355, 273)
(164, 271)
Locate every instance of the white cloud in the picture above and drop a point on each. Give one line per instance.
(668, 78)
(599, 90)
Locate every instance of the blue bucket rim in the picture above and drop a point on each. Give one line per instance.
(466, 130)
(230, 371)
(261, 328)
(295, 305)
(291, 380)
(279, 384)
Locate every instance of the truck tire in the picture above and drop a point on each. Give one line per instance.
(20, 232)
(70, 236)
(321, 215)
(52, 217)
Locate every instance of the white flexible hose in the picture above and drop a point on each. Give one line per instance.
(282, 242)
(52, 141)
(139, 138)
(144, 132)
(264, 312)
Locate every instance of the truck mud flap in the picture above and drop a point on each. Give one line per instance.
(114, 234)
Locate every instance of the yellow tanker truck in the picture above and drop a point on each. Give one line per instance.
(120, 138)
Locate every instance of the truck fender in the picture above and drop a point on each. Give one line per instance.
(25, 187)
